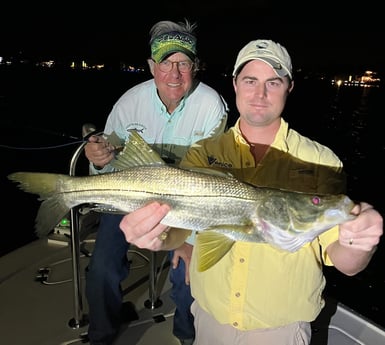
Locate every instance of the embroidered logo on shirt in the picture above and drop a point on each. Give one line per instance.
(136, 126)
(214, 162)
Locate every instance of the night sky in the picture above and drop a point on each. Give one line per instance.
(317, 36)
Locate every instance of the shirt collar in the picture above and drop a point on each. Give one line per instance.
(162, 107)
(280, 141)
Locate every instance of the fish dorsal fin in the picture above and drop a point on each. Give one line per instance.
(136, 152)
(211, 247)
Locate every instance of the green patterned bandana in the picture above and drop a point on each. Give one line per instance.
(173, 42)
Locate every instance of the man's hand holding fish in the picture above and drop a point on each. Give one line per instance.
(357, 241)
(143, 228)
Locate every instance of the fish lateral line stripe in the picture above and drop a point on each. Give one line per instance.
(171, 195)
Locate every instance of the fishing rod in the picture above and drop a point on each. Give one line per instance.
(88, 129)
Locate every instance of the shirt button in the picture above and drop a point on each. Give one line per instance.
(237, 294)
(235, 324)
(241, 260)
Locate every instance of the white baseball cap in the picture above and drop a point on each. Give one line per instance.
(267, 51)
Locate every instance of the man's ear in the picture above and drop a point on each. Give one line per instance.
(291, 87)
(151, 65)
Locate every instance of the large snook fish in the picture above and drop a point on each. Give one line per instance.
(220, 207)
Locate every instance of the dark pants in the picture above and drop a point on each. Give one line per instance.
(108, 267)
(183, 327)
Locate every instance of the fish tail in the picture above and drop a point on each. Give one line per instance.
(46, 185)
(43, 184)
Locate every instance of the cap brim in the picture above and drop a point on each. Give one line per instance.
(172, 49)
(277, 66)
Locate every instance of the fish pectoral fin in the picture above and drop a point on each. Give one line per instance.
(211, 247)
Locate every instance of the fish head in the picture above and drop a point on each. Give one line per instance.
(288, 220)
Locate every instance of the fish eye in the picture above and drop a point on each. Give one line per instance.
(316, 200)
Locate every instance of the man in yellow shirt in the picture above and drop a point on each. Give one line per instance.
(257, 294)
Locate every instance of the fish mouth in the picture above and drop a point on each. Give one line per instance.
(344, 211)
(338, 214)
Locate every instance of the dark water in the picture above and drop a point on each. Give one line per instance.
(42, 113)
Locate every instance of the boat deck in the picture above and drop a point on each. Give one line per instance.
(38, 306)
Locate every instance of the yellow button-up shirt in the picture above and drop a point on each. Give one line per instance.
(256, 285)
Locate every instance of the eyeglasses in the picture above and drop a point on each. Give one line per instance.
(183, 66)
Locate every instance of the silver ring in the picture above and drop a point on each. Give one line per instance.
(350, 242)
